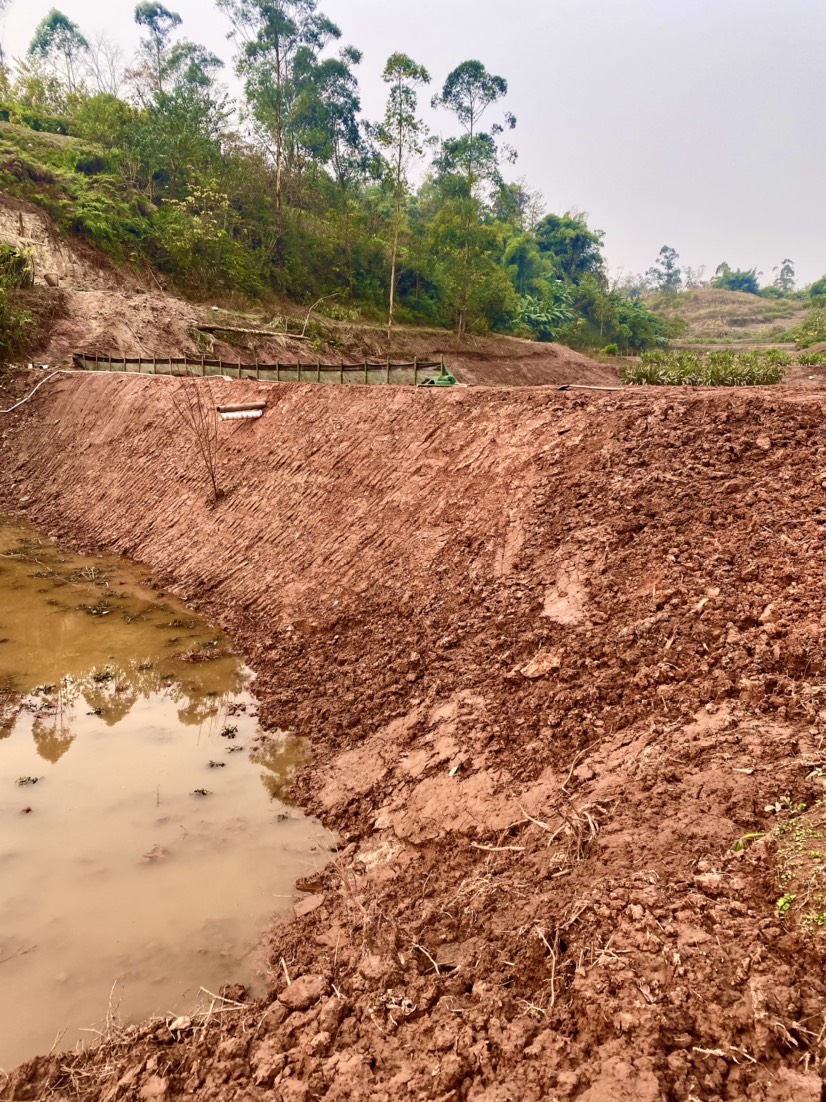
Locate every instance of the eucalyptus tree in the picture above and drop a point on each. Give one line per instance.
(4, 7)
(60, 46)
(785, 279)
(278, 40)
(179, 133)
(402, 134)
(468, 167)
(666, 275)
(326, 114)
(468, 92)
(159, 22)
(328, 131)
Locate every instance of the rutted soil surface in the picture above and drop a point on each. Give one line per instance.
(557, 654)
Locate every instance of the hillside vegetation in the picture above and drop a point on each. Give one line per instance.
(293, 192)
(712, 315)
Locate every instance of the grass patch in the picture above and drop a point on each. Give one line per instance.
(723, 368)
(801, 867)
(55, 173)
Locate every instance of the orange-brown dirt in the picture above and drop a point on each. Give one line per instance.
(556, 653)
(136, 323)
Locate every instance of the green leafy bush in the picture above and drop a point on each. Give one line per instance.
(812, 330)
(727, 368)
(15, 323)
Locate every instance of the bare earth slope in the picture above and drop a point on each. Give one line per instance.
(132, 323)
(556, 654)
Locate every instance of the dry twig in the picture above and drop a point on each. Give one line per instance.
(194, 410)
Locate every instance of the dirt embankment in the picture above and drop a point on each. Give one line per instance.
(713, 314)
(557, 654)
(54, 259)
(136, 323)
(117, 310)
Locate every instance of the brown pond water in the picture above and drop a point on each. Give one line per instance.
(119, 884)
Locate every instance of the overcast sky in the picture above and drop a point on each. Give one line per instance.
(699, 124)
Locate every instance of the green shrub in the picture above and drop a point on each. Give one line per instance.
(611, 350)
(15, 323)
(812, 330)
(15, 266)
(813, 359)
(725, 368)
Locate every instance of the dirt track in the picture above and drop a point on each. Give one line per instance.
(557, 654)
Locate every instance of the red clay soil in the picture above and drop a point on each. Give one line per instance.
(557, 654)
(134, 323)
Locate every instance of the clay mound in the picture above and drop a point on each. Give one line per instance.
(529, 364)
(562, 659)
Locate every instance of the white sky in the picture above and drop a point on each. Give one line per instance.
(695, 123)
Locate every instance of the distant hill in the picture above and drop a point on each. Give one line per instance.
(715, 316)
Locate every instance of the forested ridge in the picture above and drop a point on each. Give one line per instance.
(291, 190)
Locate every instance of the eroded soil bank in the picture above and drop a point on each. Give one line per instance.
(562, 659)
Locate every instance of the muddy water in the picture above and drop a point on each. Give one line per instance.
(143, 844)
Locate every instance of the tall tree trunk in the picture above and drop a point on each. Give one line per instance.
(279, 154)
(396, 226)
(391, 311)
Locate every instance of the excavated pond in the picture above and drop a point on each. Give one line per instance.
(143, 843)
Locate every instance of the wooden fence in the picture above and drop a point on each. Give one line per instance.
(399, 374)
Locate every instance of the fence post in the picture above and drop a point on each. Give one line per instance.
(203, 368)
(341, 372)
(388, 371)
(299, 370)
(277, 372)
(415, 371)
(366, 377)
(318, 372)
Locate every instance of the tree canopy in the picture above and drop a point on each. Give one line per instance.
(293, 190)
(746, 280)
